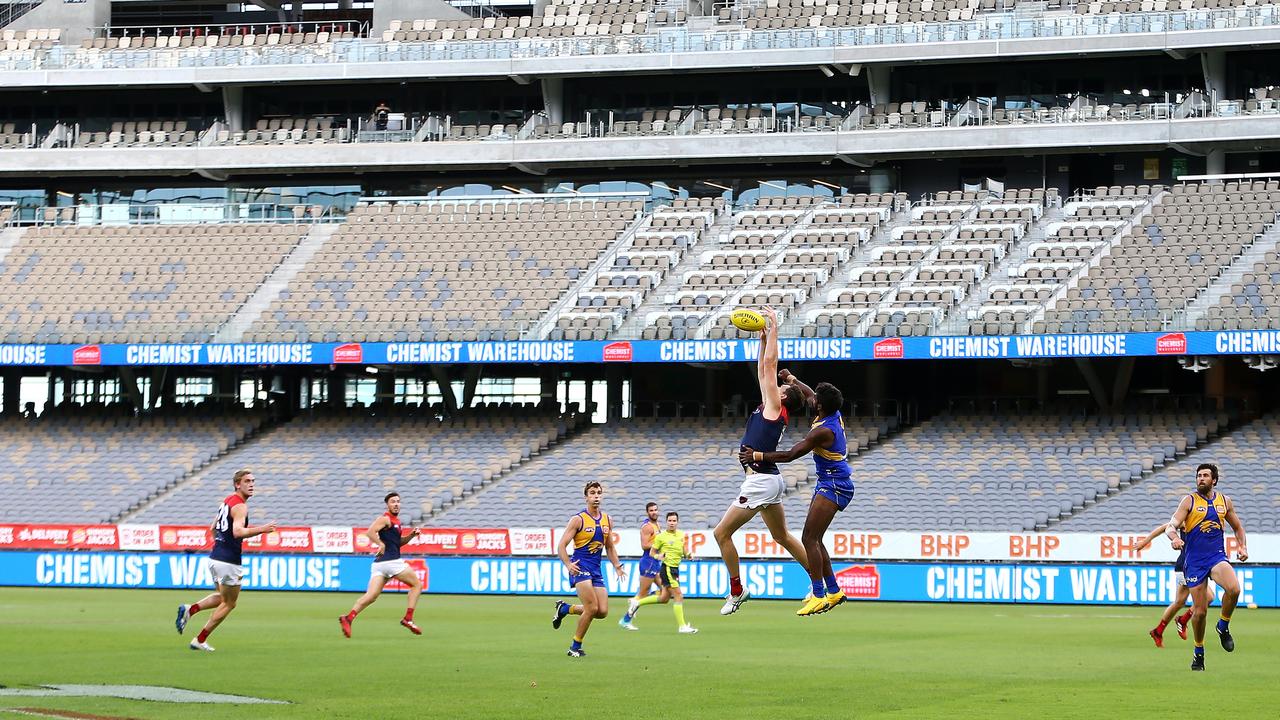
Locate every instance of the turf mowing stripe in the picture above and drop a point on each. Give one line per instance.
(47, 713)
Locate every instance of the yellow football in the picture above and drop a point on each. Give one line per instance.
(748, 320)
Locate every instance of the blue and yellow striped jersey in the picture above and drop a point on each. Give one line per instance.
(831, 462)
(1202, 531)
(589, 541)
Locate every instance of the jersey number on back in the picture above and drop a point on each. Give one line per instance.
(224, 518)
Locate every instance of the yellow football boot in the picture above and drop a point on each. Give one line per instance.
(813, 606)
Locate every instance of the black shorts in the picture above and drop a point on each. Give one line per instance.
(670, 576)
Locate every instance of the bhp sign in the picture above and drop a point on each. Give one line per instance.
(860, 581)
(87, 355)
(1171, 344)
(349, 353)
(618, 352)
(887, 349)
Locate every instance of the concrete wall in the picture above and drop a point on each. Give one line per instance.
(384, 11)
(76, 19)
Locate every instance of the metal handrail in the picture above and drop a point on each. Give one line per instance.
(988, 27)
(360, 28)
(432, 128)
(10, 12)
(90, 214)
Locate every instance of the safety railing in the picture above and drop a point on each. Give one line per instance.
(239, 29)
(183, 214)
(432, 128)
(991, 27)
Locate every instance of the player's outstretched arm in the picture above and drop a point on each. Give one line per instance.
(1156, 532)
(818, 437)
(1242, 551)
(239, 515)
(810, 397)
(575, 524)
(1175, 522)
(767, 368)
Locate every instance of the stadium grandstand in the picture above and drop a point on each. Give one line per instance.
(481, 252)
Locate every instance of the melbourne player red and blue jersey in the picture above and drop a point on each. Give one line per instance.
(764, 435)
(226, 546)
(390, 537)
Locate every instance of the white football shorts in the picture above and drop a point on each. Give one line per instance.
(388, 568)
(225, 573)
(759, 490)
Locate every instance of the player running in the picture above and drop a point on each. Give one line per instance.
(763, 487)
(649, 565)
(591, 531)
(1200, 516)
(1180, 598)
(387, 537)
(230, 528)
(833, 492)
(668, 546)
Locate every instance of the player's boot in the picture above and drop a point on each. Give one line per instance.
(1197, 662)
(345, 623)
(1180, 623)
(579, 652)
(835, 598)
(197, 645)
(813, 606)
(1157, 637)
(1228, 643)
(733, 602)
(413, 628)
(562, 609)
(687, 629)
(184, 614)
(633, 607)
(625, 623)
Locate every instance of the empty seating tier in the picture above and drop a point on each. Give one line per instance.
(444, 271)
(697, 473)
(92, 466)
(134, 283)
(1166, 258)
(333, 468)
(1248, 463)
(1007, 473)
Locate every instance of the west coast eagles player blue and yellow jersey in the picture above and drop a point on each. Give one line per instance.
(588, 542)
(1202, 531)
(835, 479)
(831, 463)
(649, 565)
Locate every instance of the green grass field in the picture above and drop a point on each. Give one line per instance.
(498, 657)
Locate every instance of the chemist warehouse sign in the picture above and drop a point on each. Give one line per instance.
(911, 582)
(651, 351)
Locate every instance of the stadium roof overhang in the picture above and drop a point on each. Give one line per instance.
(861, 148)
(524, 69)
